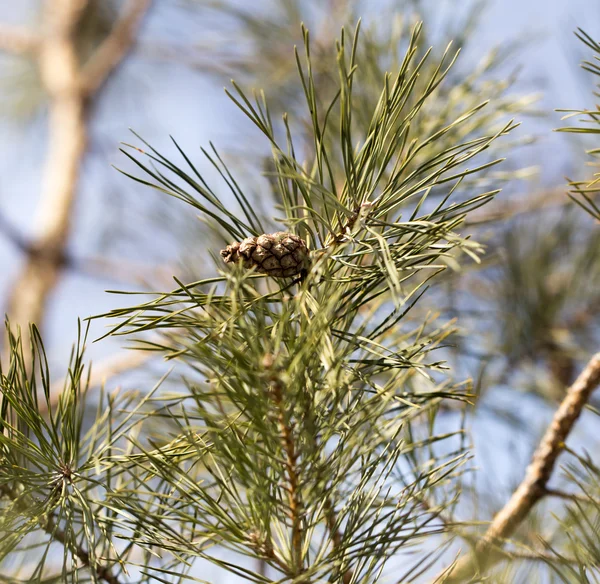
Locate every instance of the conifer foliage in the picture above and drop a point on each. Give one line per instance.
(303, 436)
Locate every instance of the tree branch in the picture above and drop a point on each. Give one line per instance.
(102, 572)
(533, 487)
(504, 210)
(573, 497)
(102, 372)
(92, 266)
(59, 69)
(293, 489)
(18, 41)
(291, 466)
(69, 91)
(114, 48)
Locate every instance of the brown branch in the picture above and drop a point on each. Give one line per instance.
(123, 270)
(59, 71)
(291, 466)
(487, 552)
(573, 497)
(541, 557)
(291, 458)
(114, 48)
(102, 572)
(69, 91)
(531, 203)
(18, 41)
(263, 547)
(120, 270)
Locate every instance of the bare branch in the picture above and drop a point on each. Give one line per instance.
(18, 41)
(59, 71)
(118, 364)
(102, 372)
(114, 48)
(533, 487)
(69, 90)
(93, 266)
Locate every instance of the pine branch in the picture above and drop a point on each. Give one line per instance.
(346, 352)
(91, 266)
(503, 211)
(573, 497)
(336, 535)
(48, 525)
(293, 488)
(102, 572)
(67, 143)
(533, 487)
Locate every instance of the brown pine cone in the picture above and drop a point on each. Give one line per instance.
(278, 254)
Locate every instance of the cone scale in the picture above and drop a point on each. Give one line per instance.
(280, 255)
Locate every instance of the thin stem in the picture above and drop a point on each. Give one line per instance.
(114, 48)
(294, 498)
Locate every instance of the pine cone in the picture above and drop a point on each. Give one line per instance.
(278, 254)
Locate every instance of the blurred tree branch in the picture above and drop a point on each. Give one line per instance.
(69, 87)
(94, 266)
(532, 203)
(533, 487)
(103, 371)
(114, 48)
(17, 40)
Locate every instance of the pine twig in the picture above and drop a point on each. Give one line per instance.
(59, 71)
(48, 525)
(291, 459)
(502, 211)
(91, 266)
(102, 572)
(295, 502)
(487, 552)
(573, 497)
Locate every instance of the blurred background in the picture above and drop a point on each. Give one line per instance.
(72, 227)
